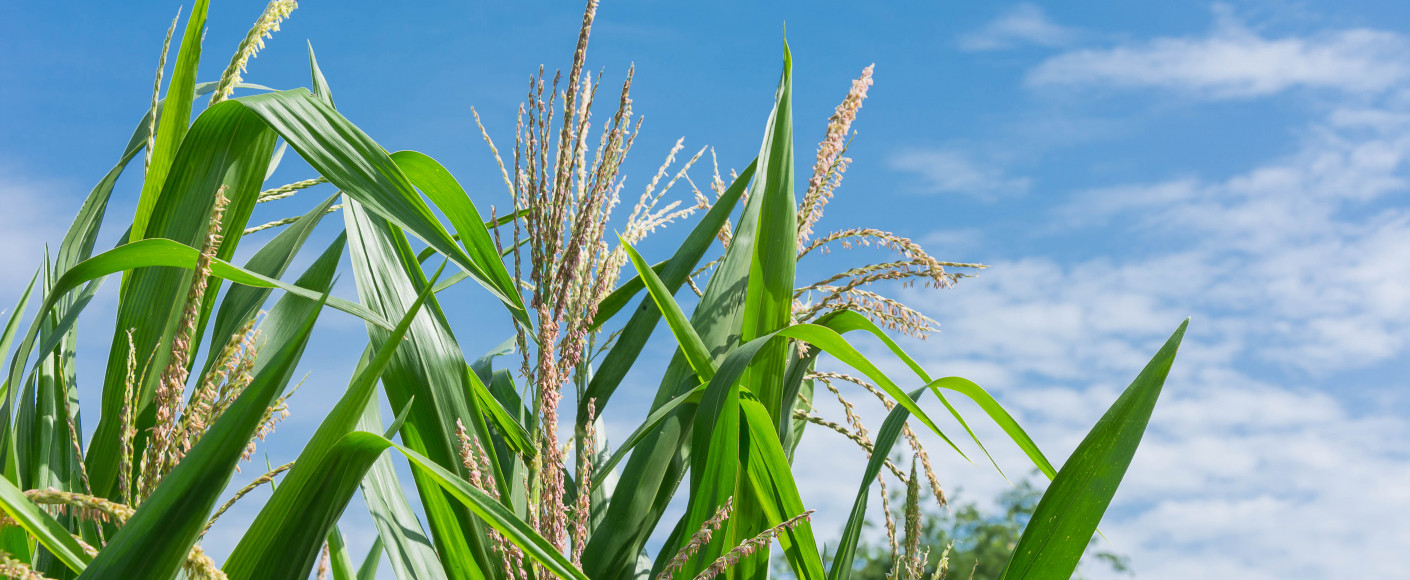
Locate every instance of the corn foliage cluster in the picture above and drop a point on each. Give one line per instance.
(511, 471)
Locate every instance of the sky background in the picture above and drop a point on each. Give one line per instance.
(1119, 165)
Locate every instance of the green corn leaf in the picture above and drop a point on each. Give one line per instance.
(434, 372)
(437, 183)
(340, 562)
(50, 534)
(231, 144)
(362, 169)
(886, 437)
(160, 252)
(769, 302)
(174, 119)
(241, 302)
(408, 547)
(690, 342)
(717, 449)
(157, 538)
(846, 321)
(224, 147)
(1067, 515)
(492, 512)
(770, 478)
(320, 84)
(768, 305)
(296, 519)
(368, 569)
(514, 434)
(692, 397)
(12, 321)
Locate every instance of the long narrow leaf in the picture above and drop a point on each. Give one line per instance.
(408, 548)
(287, 530)
(157, 538)
(50, 534)
(1067, 515)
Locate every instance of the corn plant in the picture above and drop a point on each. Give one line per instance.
(514, 477)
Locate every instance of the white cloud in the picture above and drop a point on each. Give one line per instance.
(1309, 243)
(1234, 61)
(27, 222)
(1024, 24)
(1255, 465)
(952, 171)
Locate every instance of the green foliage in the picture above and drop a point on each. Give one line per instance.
(499, 493)
(980, 540)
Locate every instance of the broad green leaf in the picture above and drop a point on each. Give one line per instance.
(298, 516)
(12, 322)
(368, 569)
(157, 538)
(362, 169)
(768, 305)
(770, 477)
(437, 183)
(408, 547)
(515, 436)
(231, 144)
(320, 84)
(602, 472)
(716, 451)
(492, 512)
(690, 343)
(160, 252)
(340, 561)
(222, 148)
(1067, 515)
(433, 371)
(769, 302)
(174, 119)
(846, 321)
(241, 302)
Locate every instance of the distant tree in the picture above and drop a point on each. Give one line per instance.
(978, 542)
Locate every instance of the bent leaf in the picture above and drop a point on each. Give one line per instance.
(1067, 515)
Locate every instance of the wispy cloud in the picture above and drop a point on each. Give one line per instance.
(946, 170)
(1294, 271)
(1235, 61)
(1295, 265)
(1023, 25)
(27, 222)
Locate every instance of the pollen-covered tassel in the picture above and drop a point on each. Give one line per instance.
(93, 508)
(481, 476)
(157, 93)
(748, 547)
(12, 568)
(164, 450)
(913, 556)
(697, 541)
(126, 432)
(828, 169)
(199, 565)
(581, 513)
(323, 564)
(265, 27)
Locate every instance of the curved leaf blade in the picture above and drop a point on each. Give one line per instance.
(1066, 517)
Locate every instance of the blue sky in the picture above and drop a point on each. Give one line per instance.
(1119, 165)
